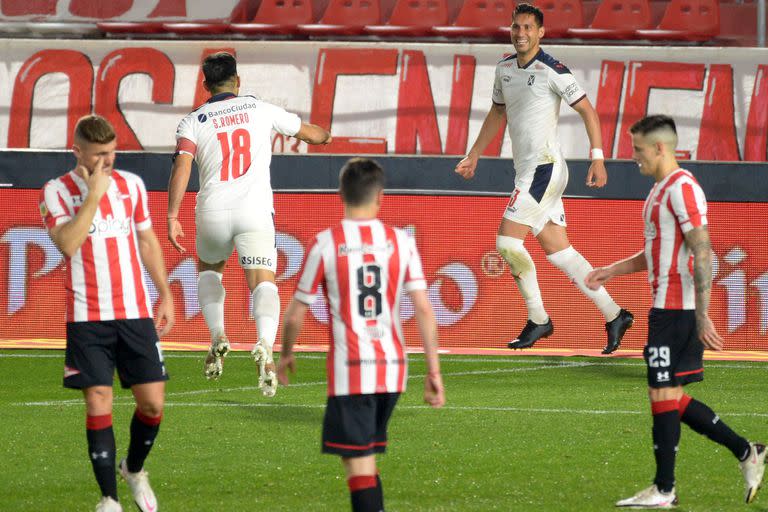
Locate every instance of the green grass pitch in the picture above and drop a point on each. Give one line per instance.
(517, 434)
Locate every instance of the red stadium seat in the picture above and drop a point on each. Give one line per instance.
(277, 17)
(687, 20)
(561, 15)
(345, 17)
(481, 18)
(412, 18)
(616, 19)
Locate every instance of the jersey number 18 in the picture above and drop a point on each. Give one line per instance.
(235, 157)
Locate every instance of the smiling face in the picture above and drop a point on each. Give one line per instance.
(526, 34)
(647, 154)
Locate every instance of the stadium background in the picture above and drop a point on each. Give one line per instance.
(401, 101)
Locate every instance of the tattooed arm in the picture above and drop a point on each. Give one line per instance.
(697, 241)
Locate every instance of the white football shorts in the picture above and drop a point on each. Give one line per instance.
(251, 232)
(540, 199)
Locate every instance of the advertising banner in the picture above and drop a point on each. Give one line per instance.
(474, 296)
(380, 98)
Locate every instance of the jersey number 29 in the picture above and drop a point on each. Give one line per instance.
(235, 157)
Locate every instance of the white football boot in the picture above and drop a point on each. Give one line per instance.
(107, 504)
(214, 364)
(138, 483)
(262, 355)
(753, 469)
(651, 497)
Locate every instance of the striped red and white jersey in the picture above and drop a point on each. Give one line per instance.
(105, 276)
(674, 206)
(363, 267)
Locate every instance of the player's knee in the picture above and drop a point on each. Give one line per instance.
(515, 254)
(151, 408)
(209, 288)
(266, 301)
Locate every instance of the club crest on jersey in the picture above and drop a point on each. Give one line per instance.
(43, 210)
(202, 118)
(531, 79)
(650, 231)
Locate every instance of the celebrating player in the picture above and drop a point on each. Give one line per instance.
(230, 138)
(527, 92)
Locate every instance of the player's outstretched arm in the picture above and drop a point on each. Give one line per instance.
(494, 120)
(698, 242)
(152, 257)
(177, 186)
(313, 134)
(293, 320)
(434, 393)
(597, 176)
(599, 276)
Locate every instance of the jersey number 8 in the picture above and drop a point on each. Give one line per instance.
(236, 156)
(369, 284)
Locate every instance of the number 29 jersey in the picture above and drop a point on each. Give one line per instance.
(230, 138)
(363, 267)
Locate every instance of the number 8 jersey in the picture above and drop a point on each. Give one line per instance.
(231, 139)
(363, 267)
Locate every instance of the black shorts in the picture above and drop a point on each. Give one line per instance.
(95, 349)
(674, 354)
(356, 425)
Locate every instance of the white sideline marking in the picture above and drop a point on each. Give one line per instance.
(559, 365)
(540, 410)
(446, 358)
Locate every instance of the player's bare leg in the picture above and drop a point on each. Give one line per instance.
(211, 294)
(365, 488)
(509, 244)
(266, 313)
(553, 238)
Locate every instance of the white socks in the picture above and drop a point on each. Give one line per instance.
(210, 295)
(266, 311)
(524, 271)
(576, 267)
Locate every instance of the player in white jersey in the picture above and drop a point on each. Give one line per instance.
(678, 257)
(230, 138)
(363, 266)
(527, 92)
(98, 217)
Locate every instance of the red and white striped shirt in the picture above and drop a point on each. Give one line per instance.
(363, 266)
(674, 206)
(105, 276)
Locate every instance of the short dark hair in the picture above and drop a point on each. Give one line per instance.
(525, 8)
(94, 129)
(359, 180)
(219, 68)
(650, 124)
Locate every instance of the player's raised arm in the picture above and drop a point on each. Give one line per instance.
(68, 237)
(494, 121)
(313, 134)
(597, 176)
